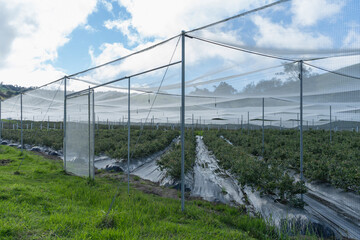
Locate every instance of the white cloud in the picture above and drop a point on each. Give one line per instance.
(161, 19)
(164, 18)
(89, 28)
(352, 40)
(41, 28)
(287, 37)
(108, 5)
(124, 27)
(135, 64)
(309, 12)
(7, 36)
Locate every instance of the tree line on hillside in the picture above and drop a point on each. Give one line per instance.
(8, 90)
(289, 73)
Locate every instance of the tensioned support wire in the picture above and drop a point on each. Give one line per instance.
(329, 71)
(125, 57)
(239, 15)
(226, 45)
(126, 77)
(174, 37)
(239, 49)
(224, 98)
(169, 39)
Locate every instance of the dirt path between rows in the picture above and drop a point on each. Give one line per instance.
(145, 186)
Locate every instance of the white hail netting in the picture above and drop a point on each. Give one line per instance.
(45, 106)
(79, 142)
(10, 110)
(41, 108)
(233, 65)
(230, 68)
(150, 101)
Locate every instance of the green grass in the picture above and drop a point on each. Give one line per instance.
(42, 202)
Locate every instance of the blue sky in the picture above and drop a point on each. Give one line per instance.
(41, 41)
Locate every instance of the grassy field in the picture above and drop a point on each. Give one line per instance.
(42, 202)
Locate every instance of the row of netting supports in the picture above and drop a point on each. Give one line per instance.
(241, 121)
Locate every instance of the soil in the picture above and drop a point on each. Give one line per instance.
(4, 162)
(145, 186)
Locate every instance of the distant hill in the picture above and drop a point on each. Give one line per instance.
(8, 90)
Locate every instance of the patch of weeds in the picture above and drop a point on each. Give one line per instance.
(17, 173)
(39, 171)
(223, 191)
(98, 171)
(5, 162)
(21, 154)
(136, 178)
(90, 182)
(242, 209)
(52, 167)
(108, 221)
(4, 197)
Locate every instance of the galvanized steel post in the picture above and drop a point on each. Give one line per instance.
(301, 125)
(128, 160)
(182, 120)
(89, 133)
(0, 122)
(21, 117)
(330, 126)
(248, 124)
(93, 134)
(263, 119)
(64, 124)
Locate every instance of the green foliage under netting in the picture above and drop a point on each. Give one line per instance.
(112, 142)
(50, 138)
(171, 161)
(269, 177)
(336, 162)
(42, 202)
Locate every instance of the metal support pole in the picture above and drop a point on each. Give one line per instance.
(192, 121)
(128, 161)
(248, 125)
(93, 133)
(183, 120)
(330, 126)
(263, 121)
(21, 117)
(297, 119)
(301, 125)
(0, 122)
(241, 123)
(64, 128)
(89, 133)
